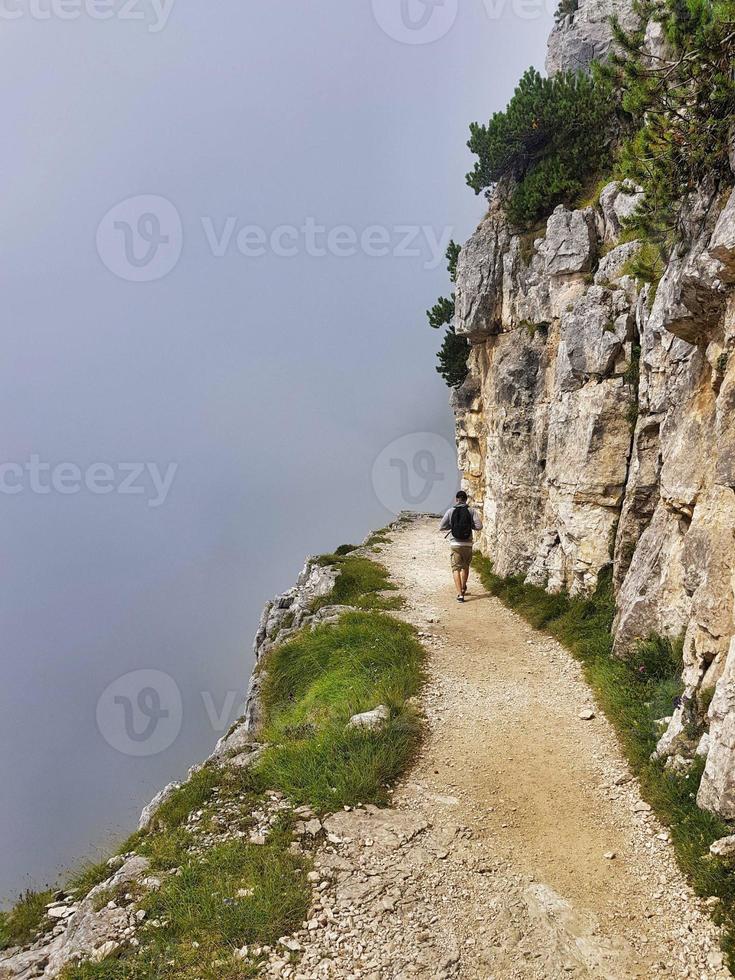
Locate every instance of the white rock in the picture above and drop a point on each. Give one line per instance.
(371, 720)
(724, 847)
(104, 951)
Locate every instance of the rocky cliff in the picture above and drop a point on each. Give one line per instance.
(596, 425)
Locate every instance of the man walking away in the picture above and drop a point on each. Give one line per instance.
(461, 520)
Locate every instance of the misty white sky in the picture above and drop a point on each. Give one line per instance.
(269, 382)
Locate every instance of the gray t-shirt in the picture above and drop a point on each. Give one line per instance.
(446, 525)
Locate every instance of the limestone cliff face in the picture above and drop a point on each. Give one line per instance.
(597, 423)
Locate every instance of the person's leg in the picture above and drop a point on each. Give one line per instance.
(465, 568)
(456, 562)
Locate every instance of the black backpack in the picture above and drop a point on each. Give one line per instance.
(461, 523)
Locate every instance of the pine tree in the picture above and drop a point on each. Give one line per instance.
(678, 107)
(454, 350)
(554, 133)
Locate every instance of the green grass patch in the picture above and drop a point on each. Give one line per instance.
(345, 549)
(589, 195)
(19, 926)
(378, 537)
(314, 683)
(193, 795)
(204, 919)
(360, 583)
(634, 693)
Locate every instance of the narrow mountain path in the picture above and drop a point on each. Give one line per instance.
(519, 846)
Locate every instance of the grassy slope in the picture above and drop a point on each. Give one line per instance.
(20, 925)
(312, 685)
(634, 693)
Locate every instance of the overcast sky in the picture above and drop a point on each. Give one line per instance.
(222, 226)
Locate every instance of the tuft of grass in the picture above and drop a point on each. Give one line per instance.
(381, 536)
(634, 693)
(314, 683)
(526, 248)
(360, 583)
(345, 549)
(589, 196)
(532, 328)
(192, 795)
(19, 926)
(88, 877)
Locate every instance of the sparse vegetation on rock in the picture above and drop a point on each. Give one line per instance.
(454, 350)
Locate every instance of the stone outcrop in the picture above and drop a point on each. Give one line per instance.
(585, 35)
(90, 929)
(596, 427)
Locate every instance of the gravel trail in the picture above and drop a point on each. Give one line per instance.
(519, 846)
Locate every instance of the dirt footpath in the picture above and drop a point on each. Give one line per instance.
(519, 846)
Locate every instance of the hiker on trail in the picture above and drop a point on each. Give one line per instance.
(461, 520)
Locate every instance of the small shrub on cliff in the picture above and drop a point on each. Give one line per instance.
(454, 350)
(441, 313)
(565, 9)
(452, 358)
(547, 142)
(646, 266)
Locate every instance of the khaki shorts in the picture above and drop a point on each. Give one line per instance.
(461, 558)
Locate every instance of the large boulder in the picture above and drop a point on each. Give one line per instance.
(570, 242)
(717, 788)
